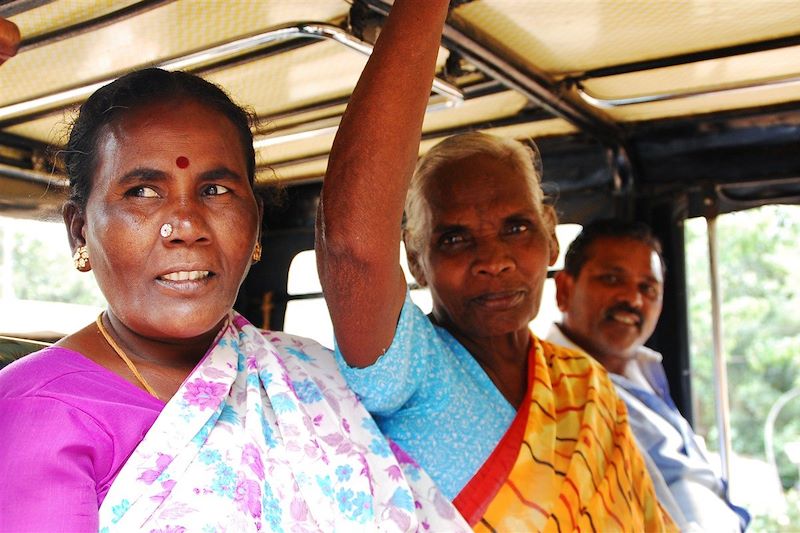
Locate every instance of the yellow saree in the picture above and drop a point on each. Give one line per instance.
(568, 462)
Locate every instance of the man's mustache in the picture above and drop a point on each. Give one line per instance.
(625, 308)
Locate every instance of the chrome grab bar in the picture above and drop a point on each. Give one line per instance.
(57, 181)
(611, 103)
(205, 57)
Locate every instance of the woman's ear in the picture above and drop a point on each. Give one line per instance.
(260, 204)
(416, 269)
(551, 221)
(75, 220)
(555, 248)
(413, 262)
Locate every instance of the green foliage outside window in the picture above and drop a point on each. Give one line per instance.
(759, 251)
(42, 267)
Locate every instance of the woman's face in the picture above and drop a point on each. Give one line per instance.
(177, 163)
(487, 250)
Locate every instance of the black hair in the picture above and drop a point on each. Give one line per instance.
(577, 252)
(134, 90)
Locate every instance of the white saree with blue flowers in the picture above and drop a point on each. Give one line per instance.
(265, 435)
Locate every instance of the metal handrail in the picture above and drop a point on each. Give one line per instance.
(15, 7)
(720, 363)
(33, 176)
(611, 103)
(326, 126)
(723, 192)
(80, 28)
(204, 57)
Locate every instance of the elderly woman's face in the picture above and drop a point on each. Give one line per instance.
(486, 255)
(179, 164)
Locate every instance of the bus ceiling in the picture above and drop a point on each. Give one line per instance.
(631, 104)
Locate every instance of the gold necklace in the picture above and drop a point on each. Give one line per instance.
(122, 356)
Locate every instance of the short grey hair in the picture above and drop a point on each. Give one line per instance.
(523, 158)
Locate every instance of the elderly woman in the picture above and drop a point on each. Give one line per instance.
(172, 412)
(523, 434)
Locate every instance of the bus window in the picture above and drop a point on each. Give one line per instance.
(548, 310)
(41, 296)
(758, 254)
(307, 315)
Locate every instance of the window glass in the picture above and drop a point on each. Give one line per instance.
(303, 278)
(758, 253)
(565, 233)
(309, 317)
(42, 296)
(548, 309)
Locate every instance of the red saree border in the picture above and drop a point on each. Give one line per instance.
(478, 493)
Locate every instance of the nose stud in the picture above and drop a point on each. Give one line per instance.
(166, 230)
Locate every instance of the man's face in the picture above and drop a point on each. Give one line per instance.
(613, 305)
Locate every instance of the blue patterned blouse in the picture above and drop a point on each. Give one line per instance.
(429, 395)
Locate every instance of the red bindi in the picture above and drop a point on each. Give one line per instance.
(182, 162)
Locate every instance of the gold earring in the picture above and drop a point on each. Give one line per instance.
(257, 253)
(81, 259)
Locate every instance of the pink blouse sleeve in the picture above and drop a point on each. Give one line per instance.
(51, 456)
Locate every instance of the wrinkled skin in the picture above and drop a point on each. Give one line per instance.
(486, 256)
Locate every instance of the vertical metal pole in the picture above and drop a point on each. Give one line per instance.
(720, 363)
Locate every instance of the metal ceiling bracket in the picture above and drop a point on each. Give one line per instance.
(622, 176)
(207, 57)
(534, 86)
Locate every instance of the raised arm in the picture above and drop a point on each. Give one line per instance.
(371, 162)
